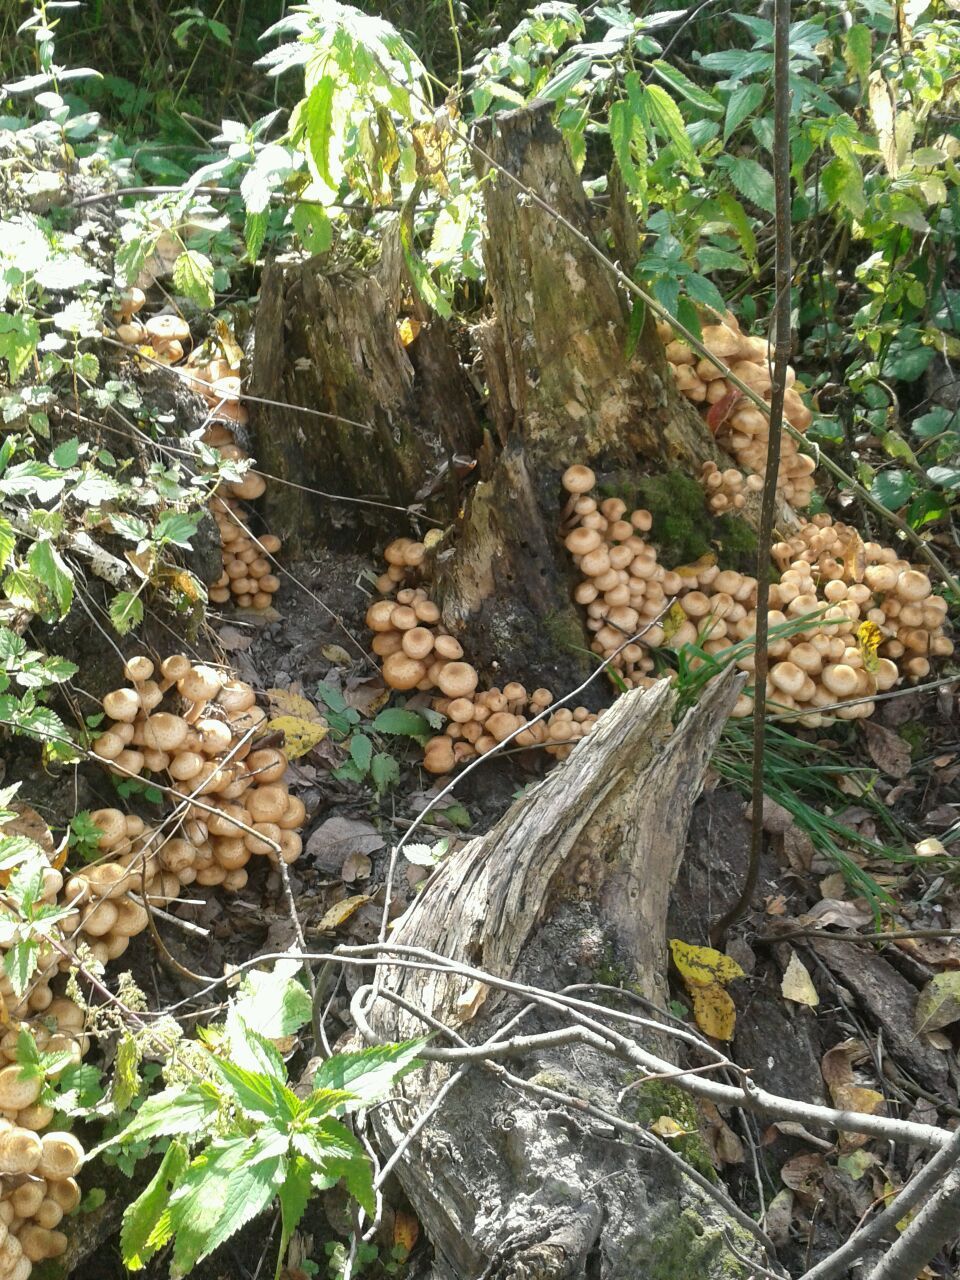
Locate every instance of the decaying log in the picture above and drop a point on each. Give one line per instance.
(571, 883)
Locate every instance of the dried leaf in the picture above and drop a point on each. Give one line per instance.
(837, 1063)
(887, 749)
(779, 1216)
(469, 1003)
(804, 1174)
(726, 1146)
(849, 915)
(337, 654)
(406, 1230)
(797, 985)
(667, 1127)
(338, 837)
(939, 1002)
(299, 735)
(290, 702)
(356, 867)
(930, 848)
(854, 1097)
(856, 1163)
(30, 824)
(869, 639)
(341, 912)
(407, 330)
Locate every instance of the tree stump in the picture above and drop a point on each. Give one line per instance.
(572, 883)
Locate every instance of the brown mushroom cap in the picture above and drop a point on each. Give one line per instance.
(162, 330)
(164, 732)
(458, 680)
(402, 672)
(122, 704)
(578, 479)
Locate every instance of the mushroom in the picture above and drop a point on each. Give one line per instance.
(198, 686)
(458, 680)
(165, 732)
(438, 755)
(122, 704)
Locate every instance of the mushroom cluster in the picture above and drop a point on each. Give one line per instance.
(739, 426)
(167, 334)
(833, 590)
(240, 804)
(248, 575)
(725, 489)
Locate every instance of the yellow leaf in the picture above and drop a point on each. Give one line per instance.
(673, 620)
(797, 985)
(285, 702)
(667, 1127)
(869, 639)
(336, 653)
(701, 965)
(471, 1000)
(341, 911)
(232, 351)
(299, 735)
(407, 329)
(406, 1230)
(714, 1010)
(854, 559)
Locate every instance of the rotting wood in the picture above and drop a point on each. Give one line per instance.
(573, 881)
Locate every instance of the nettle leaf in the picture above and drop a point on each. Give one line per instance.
(370, 1073)
(193, 278)
(130, 527)
(67, 454)
(179, 1109)
(36, 478)
(8, 541)
(396, 721)
(294, 1195)
(384, 771)
(276, 1004)
(19, 964)
(664, 114)
(317, 119)
(626, 133)
(126, 612)
(751, 179)
(254, 233)
(19, 337)
(894, 488)
(686, 88)
(23, 590)
(312, 224)
(51, 570)
(944, 477)
(177, 527)
(140, 1218)
(743, 102)
(361, 751)
(126, 1072)
(227, 1185)
(858, 51)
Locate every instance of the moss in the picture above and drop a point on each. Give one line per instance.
(915, 734)
(656, 1098)
(686, 1250)
(737, 544)
(682, 527)
(564, 631)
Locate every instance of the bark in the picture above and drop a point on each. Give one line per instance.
(573, 881)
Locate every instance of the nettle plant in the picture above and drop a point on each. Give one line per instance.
(241, 1139)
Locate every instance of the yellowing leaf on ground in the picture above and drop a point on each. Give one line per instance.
(673, 620)
(869, 639)
(406, 1230)
(939, 1002)
(797, 985)
(289, 702)
(714, 1010)
(407, 329)
(703, 964)
(299, 736)
(853, 1097)
(667, 1127)
(341, 911)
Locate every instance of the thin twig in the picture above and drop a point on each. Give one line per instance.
(782, 348)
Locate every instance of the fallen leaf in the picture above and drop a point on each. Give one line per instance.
(234, 640)
(713, 1009)
(939, 1002)
(356, 867)
(299, 735)
(847, 914)
(797, 985)
(469, 1003)
(341, 912)
(887, 749)
(837, 1063)
(775, 906)
(852, 785)
(667, 1127)
(337, 654)
(803, 1174)
(334, 840)
(727, 1147)
(869, 639)
(856, 1163)
(703, 964)
(834, 885)
(407, 329)
(937, 1040)
(930, 848)
(30, 824)
(779, 1216)
(777, 820)
(854, 1097)
(406, 1230)
(367, 696)
(290, 702)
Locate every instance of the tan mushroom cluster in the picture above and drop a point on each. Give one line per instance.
(740, 427)
(827, 575)
(727, 490)
(248, 576)
(241, 807)
(418, 654)
(167, 335)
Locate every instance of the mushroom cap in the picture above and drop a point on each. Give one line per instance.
(578, 479)
(417, 642)
(215, 736)
(164, 731)
(113, 825)
(438, 755)
(138, 669)
(200, 684)
(402, 672)
(579, 541)
(15, 1092)
(122, 704)
(787, 677)
(185, 765)
(457, 679)
(448, 648)
(166, 328)
(109, 745)
(839, 679)
(62, 1156)
(913, 585)
(176, 666)
(378, 615)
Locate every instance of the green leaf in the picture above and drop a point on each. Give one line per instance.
(227, 1185)
(740, 221)
(842, 183)
(294, 1195)
(126, 1072)
(705, 292)
(558, 86)
(317, 120)
(179, 1109)
(8, 541)
(33, 479)
(743, 101)
(751, 179)
(252, 1051)
(177, 527)
(944, 477)
(312, 224)
(275, 1004)
(934, 423)
(19, 964)
(686, 88)
(894, 488)
(370, 1073)
(253, 1091)
(361, 751)
(130, 527)
(126, 612)
(384, 771)
(624, 123)
(51, 570)
(140, 1218)
(394, 720)
(858, 52)
(193, 278)
(665, 116)
(254, 233)
(19, 336)
(67, 454)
